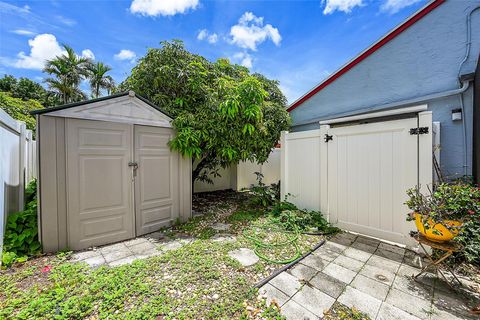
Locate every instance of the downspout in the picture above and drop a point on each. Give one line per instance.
(467, 54)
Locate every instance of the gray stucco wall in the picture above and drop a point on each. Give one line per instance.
(422, 60)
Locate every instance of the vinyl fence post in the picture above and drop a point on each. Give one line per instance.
(283, 165)
(22, 164)
(425, 152)
(324, 172)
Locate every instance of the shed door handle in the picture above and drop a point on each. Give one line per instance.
(133, 164)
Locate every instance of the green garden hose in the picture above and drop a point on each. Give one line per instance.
(259, 243)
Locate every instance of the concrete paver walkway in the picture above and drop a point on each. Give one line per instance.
(125, 252)
(372, 276)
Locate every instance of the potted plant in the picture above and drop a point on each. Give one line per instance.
(440, 214)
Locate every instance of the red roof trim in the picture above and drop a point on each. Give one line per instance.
(408, 23)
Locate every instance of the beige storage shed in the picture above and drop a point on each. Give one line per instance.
(106, 173)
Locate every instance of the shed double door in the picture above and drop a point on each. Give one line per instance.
(121, 181)
(370, 167)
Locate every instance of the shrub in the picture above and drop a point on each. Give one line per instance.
(264, 195)
(21, 233)
(20, 109)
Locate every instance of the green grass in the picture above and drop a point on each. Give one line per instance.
(197, 281)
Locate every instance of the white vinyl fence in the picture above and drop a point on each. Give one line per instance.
(17, 166)
(243, 175)
(357, 174)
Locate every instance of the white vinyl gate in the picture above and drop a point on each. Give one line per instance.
(357, 174)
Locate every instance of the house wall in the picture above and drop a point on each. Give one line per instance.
(422, 60)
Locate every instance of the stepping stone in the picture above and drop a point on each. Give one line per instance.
(273, 294)
(95, 261)
(286, 283)
(352, 297)
(293, 311)
(122, 261)
(389, 312)
(369, 286)
(313, 300)
(328, 284)
(246, 257)
(85, 255)
(303, 272)
(221, 226)
(339, 272)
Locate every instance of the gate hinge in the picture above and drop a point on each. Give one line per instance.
(328, 137)
(420, 130)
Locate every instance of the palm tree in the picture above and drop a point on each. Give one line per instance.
(68, 70)
(99, 80)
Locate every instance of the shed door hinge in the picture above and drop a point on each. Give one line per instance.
(328, 137)
(420, 130)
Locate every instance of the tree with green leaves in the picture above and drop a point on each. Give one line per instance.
(19, 109)
(223, 114)
(67, 70)
(26, 89)
(99, 80)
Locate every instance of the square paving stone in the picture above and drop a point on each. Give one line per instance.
(438, 314)
(454, 303)
(273, 294)
(142, 247)
(383, 263)
(412, 259)
(378, 274)
(286, 283)
(410, 304)
(134, 242)
(349, 263)
(365, 303)
(408, 285)
(116, 255)
(333, 246)
(339, 272)
(392, 248)
(389, 255)
(357, 254)
(95, 261)
(293, 311)
(315, 261)
(344, 238)
(368, 241)
(364, 247)
(303, 272)
(326, 254)
(113, 248)
(122, 261)
(328, 284)
(389, 312)
(149, 254)
(369, 286)
(313, 300)
(85, 255)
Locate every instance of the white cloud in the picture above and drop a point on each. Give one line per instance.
(250, 32)
(162, 7)
(125, 54)
(393, 6)
(341, 5)
(66, 21)
(10, 8)
(204, 34)
(43, 47)
(244, 59)
(87, 53)
(23, 32)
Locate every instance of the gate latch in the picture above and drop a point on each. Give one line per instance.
(420, 130)
(133, 164)
(328, 137)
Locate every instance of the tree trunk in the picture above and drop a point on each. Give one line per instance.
(199, 168)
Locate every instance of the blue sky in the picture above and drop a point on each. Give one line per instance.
(296, 42)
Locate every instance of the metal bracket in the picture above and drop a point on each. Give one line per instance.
(327, 137)
(420, 130)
